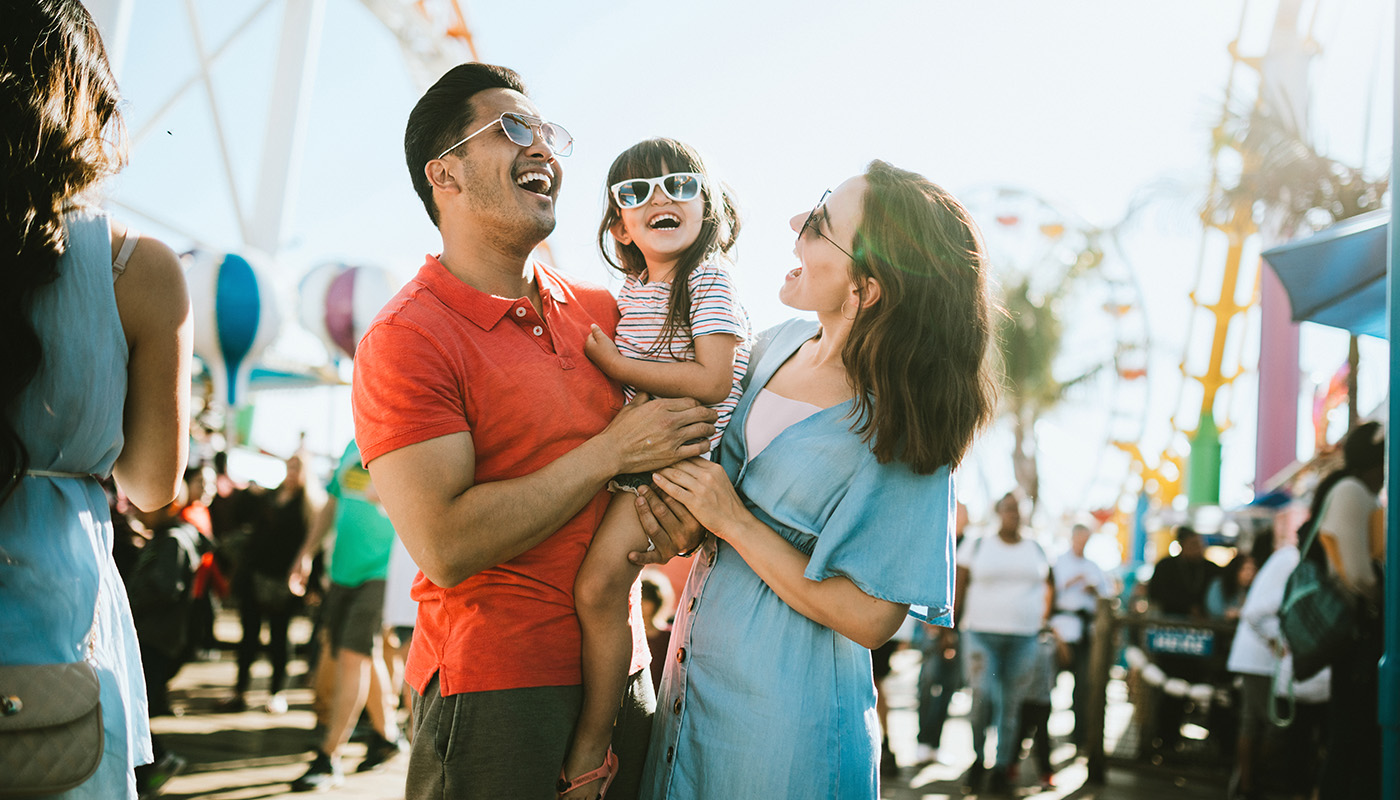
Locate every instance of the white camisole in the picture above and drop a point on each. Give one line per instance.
(770, 415)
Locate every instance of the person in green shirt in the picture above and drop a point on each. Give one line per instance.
(352, 619)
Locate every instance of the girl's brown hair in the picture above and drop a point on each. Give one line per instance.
(719, 229)
(920, 357)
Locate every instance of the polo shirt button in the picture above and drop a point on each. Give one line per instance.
(520, 311)
(538, 330)
(670, 754)
(680, 658)
(691, 607)
(677, 707)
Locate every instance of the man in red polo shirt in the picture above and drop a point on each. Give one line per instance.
(490, 436)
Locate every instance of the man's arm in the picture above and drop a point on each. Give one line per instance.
(1159, 585)
(960, 578)
(301, 567)
(454, 527)
(949, 636)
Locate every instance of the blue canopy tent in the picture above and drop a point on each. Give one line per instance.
(1340, 277)
(1336, 277)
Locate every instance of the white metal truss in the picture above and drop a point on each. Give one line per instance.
(432, 34)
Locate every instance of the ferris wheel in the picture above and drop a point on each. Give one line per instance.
(431, 34)
(1058, 260)
(233, 75)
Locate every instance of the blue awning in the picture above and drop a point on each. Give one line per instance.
(1336, 277)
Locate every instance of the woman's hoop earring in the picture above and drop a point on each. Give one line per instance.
(843, 310)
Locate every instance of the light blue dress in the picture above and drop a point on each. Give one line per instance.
(758, 701)
(56, 565)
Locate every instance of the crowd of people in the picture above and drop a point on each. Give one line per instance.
(533, 443)
(260, 552)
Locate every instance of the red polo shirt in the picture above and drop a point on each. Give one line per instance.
(442, 358)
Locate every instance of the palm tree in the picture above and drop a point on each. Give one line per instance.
(1030, 335)
(1283, 174)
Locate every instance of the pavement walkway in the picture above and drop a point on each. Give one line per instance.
(255, 754)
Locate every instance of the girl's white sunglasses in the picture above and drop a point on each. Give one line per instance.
(679, 186)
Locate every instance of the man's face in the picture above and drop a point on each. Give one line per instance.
(1010, 512)
(508, 189)
(1079, 539)
(1193, 549)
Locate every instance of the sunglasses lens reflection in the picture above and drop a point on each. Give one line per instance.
(517, 129)
(633, 193)
(558, 139)
(812, 216)
(682, 187)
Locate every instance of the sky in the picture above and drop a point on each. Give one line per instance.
(1087, 108)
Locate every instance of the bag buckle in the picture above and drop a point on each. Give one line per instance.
(10, 705)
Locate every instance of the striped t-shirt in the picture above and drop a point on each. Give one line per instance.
(714, 308)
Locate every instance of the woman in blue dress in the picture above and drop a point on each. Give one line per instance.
(94, 372)
(831, 501)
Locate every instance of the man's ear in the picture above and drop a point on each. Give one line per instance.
(440, 176)
(619, 232)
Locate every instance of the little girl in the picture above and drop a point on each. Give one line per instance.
(669, 228)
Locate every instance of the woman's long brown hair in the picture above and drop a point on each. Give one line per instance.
(60, 134)
(921, 356)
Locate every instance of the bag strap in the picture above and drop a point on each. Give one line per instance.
(1278, 718)
(1316, 525)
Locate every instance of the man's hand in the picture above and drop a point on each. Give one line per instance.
(668, 524)
(649, 434)
(296, 579)
(601, 350)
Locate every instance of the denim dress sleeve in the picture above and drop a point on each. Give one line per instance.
(891, 534)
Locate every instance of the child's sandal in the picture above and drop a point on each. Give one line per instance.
(606, 773)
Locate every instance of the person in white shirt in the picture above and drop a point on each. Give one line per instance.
(1346, 509)
(1004, 597)
(1079, 583)
(1255, 656)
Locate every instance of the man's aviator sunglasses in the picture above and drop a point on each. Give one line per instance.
(520, 129)
(679, 186)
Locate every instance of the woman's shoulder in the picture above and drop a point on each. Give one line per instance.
(782, 339)
(152, 268)
(1351, 492)
(152, 298)
(795, 328)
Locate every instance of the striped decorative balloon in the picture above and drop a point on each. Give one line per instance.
(339, 301)
(236, 318)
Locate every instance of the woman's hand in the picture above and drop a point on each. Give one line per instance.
(704, 489)
(601, 350)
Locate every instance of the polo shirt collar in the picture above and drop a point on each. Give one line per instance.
(483, 309)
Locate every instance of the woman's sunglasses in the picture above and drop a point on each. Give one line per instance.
(520, 128)
(679, 186)
(813, 224)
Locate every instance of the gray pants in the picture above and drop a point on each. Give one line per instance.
(511, 743)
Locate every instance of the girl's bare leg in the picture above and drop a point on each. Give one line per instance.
(600, 598)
